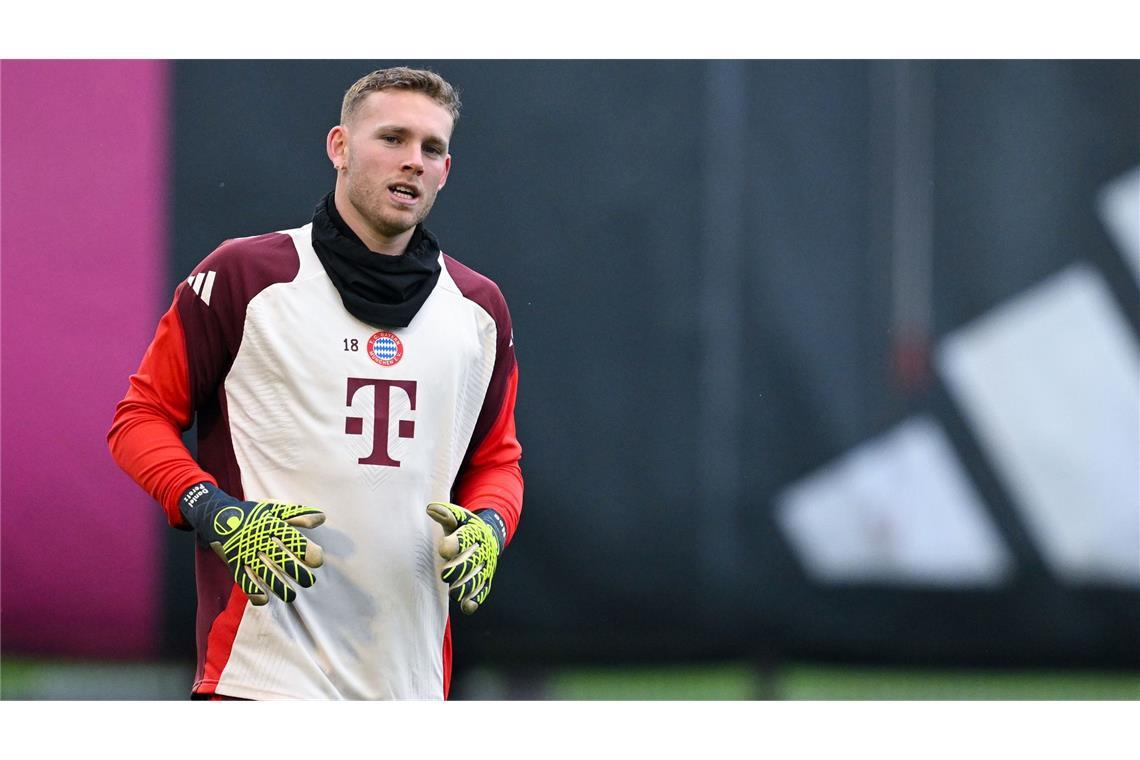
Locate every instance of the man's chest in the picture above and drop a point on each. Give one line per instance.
(312, 375)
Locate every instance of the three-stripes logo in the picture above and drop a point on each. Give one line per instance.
(202, 284)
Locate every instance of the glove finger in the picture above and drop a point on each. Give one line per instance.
(299, 546)
(245, 581)
(439, 512)
(471, 603)
(449, 547)
(481, 585)
(314, 555)
(480, 595)
(465, 586)
(264, 571)
(283, 561)
(303, 517)
(458, 569)
(454, 544)
(252, 587)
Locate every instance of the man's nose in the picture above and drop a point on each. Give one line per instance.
(414, 161)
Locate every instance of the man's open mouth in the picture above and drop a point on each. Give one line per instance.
(403, 192)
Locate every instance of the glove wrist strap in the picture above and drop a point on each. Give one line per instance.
(498, 525)
(199, 502)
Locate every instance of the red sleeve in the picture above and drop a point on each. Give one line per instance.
(146, 434)
(181, 373)
(492, 478)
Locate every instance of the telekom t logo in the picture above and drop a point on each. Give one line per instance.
(382, 412)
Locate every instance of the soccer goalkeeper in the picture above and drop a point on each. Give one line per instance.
(354, 391)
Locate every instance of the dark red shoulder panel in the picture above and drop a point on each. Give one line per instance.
(213, 303)
(486, 293)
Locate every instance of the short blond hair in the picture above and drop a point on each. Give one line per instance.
(401, 78)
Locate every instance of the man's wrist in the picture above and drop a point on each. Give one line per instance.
(192, 503)
(497, 523)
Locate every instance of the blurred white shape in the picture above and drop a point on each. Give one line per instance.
(898, 509)
(1051, 384)
(1119, 208)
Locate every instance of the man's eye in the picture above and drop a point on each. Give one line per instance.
(390, 139)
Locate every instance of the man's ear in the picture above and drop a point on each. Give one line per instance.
(446, 171)
(336, 146)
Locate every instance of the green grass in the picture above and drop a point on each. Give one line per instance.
(690, 682)
(31, 678)
(814, 682)
(28, 678)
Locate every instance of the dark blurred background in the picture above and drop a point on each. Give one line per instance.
(829, 364)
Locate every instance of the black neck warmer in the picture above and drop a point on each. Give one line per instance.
(384, 291)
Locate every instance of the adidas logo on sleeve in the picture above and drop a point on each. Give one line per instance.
(202, 284)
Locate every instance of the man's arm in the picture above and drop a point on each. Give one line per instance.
(146, 434)
(186, 363)
(492, 478)
(259, 540)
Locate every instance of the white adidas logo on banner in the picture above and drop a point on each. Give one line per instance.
(203, 284)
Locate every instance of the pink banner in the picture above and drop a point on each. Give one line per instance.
(83, 161)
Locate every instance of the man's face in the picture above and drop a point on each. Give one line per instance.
(395, 158)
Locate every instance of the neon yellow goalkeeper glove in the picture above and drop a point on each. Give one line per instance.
(471, 545)
(257, 540)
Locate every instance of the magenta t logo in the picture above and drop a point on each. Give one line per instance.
(382, 412)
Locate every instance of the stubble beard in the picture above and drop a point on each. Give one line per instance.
(374, 205)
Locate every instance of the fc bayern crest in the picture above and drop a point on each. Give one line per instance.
(385, 348)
